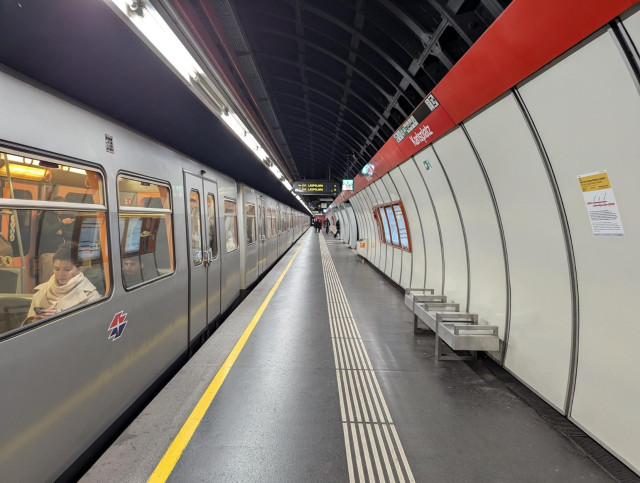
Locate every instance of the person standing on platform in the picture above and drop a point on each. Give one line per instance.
(337, 229)
(327, 224)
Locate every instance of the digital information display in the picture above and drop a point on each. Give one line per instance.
(315, 187)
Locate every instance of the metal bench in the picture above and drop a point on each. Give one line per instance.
(459, 330)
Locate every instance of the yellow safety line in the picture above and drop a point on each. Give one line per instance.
(178, 445)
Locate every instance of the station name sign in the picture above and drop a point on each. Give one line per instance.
(315, 187)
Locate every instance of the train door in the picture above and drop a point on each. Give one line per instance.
(212, 257)
(204, 264)
(262, 235)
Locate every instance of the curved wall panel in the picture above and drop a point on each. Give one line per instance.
(431, 230)
(587, 111)
(539, 344)
(397, 254)
(487, 294)
(353, 230)
(371, 201)
(418, 243)
(455, 255)
(412, 261)
(631, 23)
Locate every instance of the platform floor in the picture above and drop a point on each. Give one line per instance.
(333, 385)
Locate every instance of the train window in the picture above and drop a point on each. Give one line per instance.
(392, 225)
(385, 225)
(271, 222)
(402, 226)
(393, 229)
(146, 241)
(230, 225)
(250, 220)
(213, 230)
(194, 221)
(53, 239)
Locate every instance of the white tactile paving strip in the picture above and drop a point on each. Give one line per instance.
(374, 450)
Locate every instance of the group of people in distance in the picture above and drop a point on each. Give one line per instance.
(317, 224)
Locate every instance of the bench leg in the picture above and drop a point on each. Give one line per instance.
(451, 357)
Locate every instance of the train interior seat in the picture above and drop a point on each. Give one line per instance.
(13, 309)
(72, 197)
(10, 279)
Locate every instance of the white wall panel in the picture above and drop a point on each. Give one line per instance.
(378, 199)
(416, 256)
(397, 258)
(361, 219)
(539, 346)
(430, 230)
(388, 251)
(488, 288)
(356, 202)
(371, 201)
(353, 232)
(455, 256)
(632, 25)
(587, 111)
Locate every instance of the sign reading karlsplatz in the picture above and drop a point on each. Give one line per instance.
(421, 136)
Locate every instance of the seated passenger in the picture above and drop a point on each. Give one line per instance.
(132, 271)
(66, 288)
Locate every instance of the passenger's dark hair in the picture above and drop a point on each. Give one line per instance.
(67, 252)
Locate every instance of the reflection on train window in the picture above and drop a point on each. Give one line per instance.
(230, 225)
(211, 221)
(271, 223)
(392, 225)
(250, 220)
(194, 228)
(53, 256)
(146, 241)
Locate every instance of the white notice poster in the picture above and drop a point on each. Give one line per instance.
(601, 204)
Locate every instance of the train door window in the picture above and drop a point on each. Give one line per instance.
(213, 230)
(230, 225)
(146, 235)
(196, 231)
(53, 238)
(271, 222)
(250, 220)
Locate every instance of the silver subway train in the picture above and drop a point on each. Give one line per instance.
(167, 243)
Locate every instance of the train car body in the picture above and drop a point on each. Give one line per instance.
(67, 379)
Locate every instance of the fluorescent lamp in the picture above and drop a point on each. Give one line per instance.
(287, 185)
(24, 172)
(150, 24)
(274, 169)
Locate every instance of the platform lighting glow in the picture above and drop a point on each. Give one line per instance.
(156, 30)
(234, 123)
(287, 185)
(274, 169)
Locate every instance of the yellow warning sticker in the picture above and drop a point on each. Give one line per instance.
(594, 181)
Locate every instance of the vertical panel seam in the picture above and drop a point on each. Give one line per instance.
(566, 233)
(464, 231)
(503, 239)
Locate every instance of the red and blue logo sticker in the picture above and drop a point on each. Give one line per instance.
(117, 326)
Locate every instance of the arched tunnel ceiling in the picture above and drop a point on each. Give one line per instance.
(333, 80)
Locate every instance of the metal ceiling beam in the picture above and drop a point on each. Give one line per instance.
(332, 99)
(283, 60)
(324, 109)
